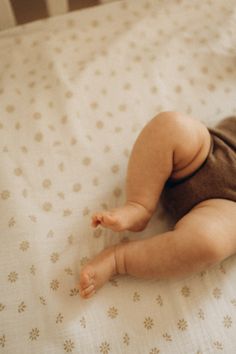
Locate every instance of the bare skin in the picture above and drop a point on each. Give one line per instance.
(170, 145)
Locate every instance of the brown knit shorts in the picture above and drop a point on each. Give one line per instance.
(216, 177)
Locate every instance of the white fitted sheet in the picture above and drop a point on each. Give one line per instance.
(75, 91)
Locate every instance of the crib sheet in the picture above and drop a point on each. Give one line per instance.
(75, 91)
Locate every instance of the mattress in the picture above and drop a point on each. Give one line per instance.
(75, 91)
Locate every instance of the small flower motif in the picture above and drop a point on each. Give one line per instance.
(227, 321)
(154, 351)
(2, 341)
(33, 269)
(24, 245)
(159, 300)
(12, 277)
(201, 314)
(69, 271)
(70, 239)
(136, 296)
(97, 233)
(74, 292)
(21, 307)
(167, 337)
(73, 141)
(76, 187)
(126, 339)
(54, 285)
(217, 293)
(233, 302)
(24, 149)
(46, 183)
(148, 323)
(25, 193)
(54, 257)
(105, 348)
(68, 346)
(59, 318)
(86, 211)
(182, 324)
(41, 162)
(69, 94)
(50, 234)
(115, 168)
(67, 212)
(84, 261)
(11, 222)
(122, 107)
(222, 269)
(94, 105)
(117, 192)
(218, 345)
(5, 194)
(126, 152)
(113, 282)
(112, 312)
(104, 206)
(203, 273)
(185, 291)
(83, 322)
(33, 218)
(61, 167)
(61, 195)
(42, 300)
(34, 334)
(47, 206)
(2, 307)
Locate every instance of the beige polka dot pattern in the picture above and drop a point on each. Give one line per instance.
(75, 91)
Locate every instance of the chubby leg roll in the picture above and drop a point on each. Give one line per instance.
(202, 238)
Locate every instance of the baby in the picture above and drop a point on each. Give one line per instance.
(193, 170)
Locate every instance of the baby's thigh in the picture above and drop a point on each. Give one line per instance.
(214, 222)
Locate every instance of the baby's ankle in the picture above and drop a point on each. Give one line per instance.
(147, 210)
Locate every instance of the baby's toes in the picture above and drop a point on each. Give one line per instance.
(96, 219)
(86, 278)
(89, 291)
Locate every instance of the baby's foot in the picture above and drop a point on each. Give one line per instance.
(97, 272)
(132, 216)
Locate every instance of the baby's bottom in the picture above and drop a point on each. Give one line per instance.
(202, 238)
(170, 145)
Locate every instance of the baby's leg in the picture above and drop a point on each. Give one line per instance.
(202, 238)
(171, 144)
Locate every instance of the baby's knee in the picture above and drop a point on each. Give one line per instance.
(169, 119)
(211, 248)
(176, 127)
(207, 248)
